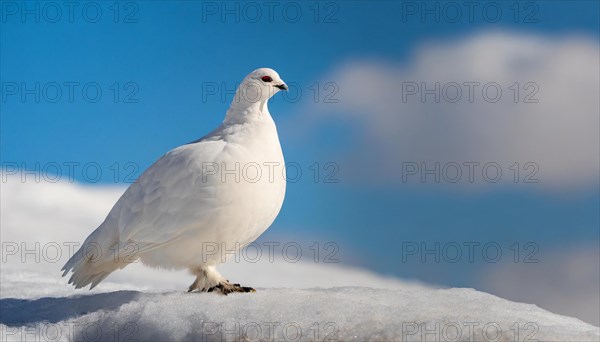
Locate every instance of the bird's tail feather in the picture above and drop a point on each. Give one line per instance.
(89, 268)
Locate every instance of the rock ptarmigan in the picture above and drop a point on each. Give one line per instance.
(198, 202)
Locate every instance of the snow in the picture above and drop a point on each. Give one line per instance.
(339, 313)
(294, 301)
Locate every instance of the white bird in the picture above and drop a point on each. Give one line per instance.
(200, 201)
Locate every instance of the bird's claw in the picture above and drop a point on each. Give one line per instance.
(227, 288)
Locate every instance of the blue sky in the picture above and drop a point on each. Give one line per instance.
(162, 62)
(170, 51)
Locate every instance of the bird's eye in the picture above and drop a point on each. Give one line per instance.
(266, 79)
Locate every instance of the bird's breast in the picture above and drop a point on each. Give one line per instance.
(248, 178)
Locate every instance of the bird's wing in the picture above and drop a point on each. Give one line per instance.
(170, 198)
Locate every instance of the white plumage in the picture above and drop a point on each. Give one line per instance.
(198, 202)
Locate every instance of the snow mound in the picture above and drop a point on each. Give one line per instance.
(343, 313)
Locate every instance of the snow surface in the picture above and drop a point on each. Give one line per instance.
(295, 301)
(339, 313)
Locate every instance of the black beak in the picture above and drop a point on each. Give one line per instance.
(282, 86)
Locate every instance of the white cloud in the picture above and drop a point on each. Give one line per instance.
(41, 221)
(564, 280)
(559, 133)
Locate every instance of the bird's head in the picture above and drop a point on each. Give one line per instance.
(253, 93)
(258, 87)
(265, 79)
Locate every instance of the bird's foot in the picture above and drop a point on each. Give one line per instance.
(209, 280)
(227, 288)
